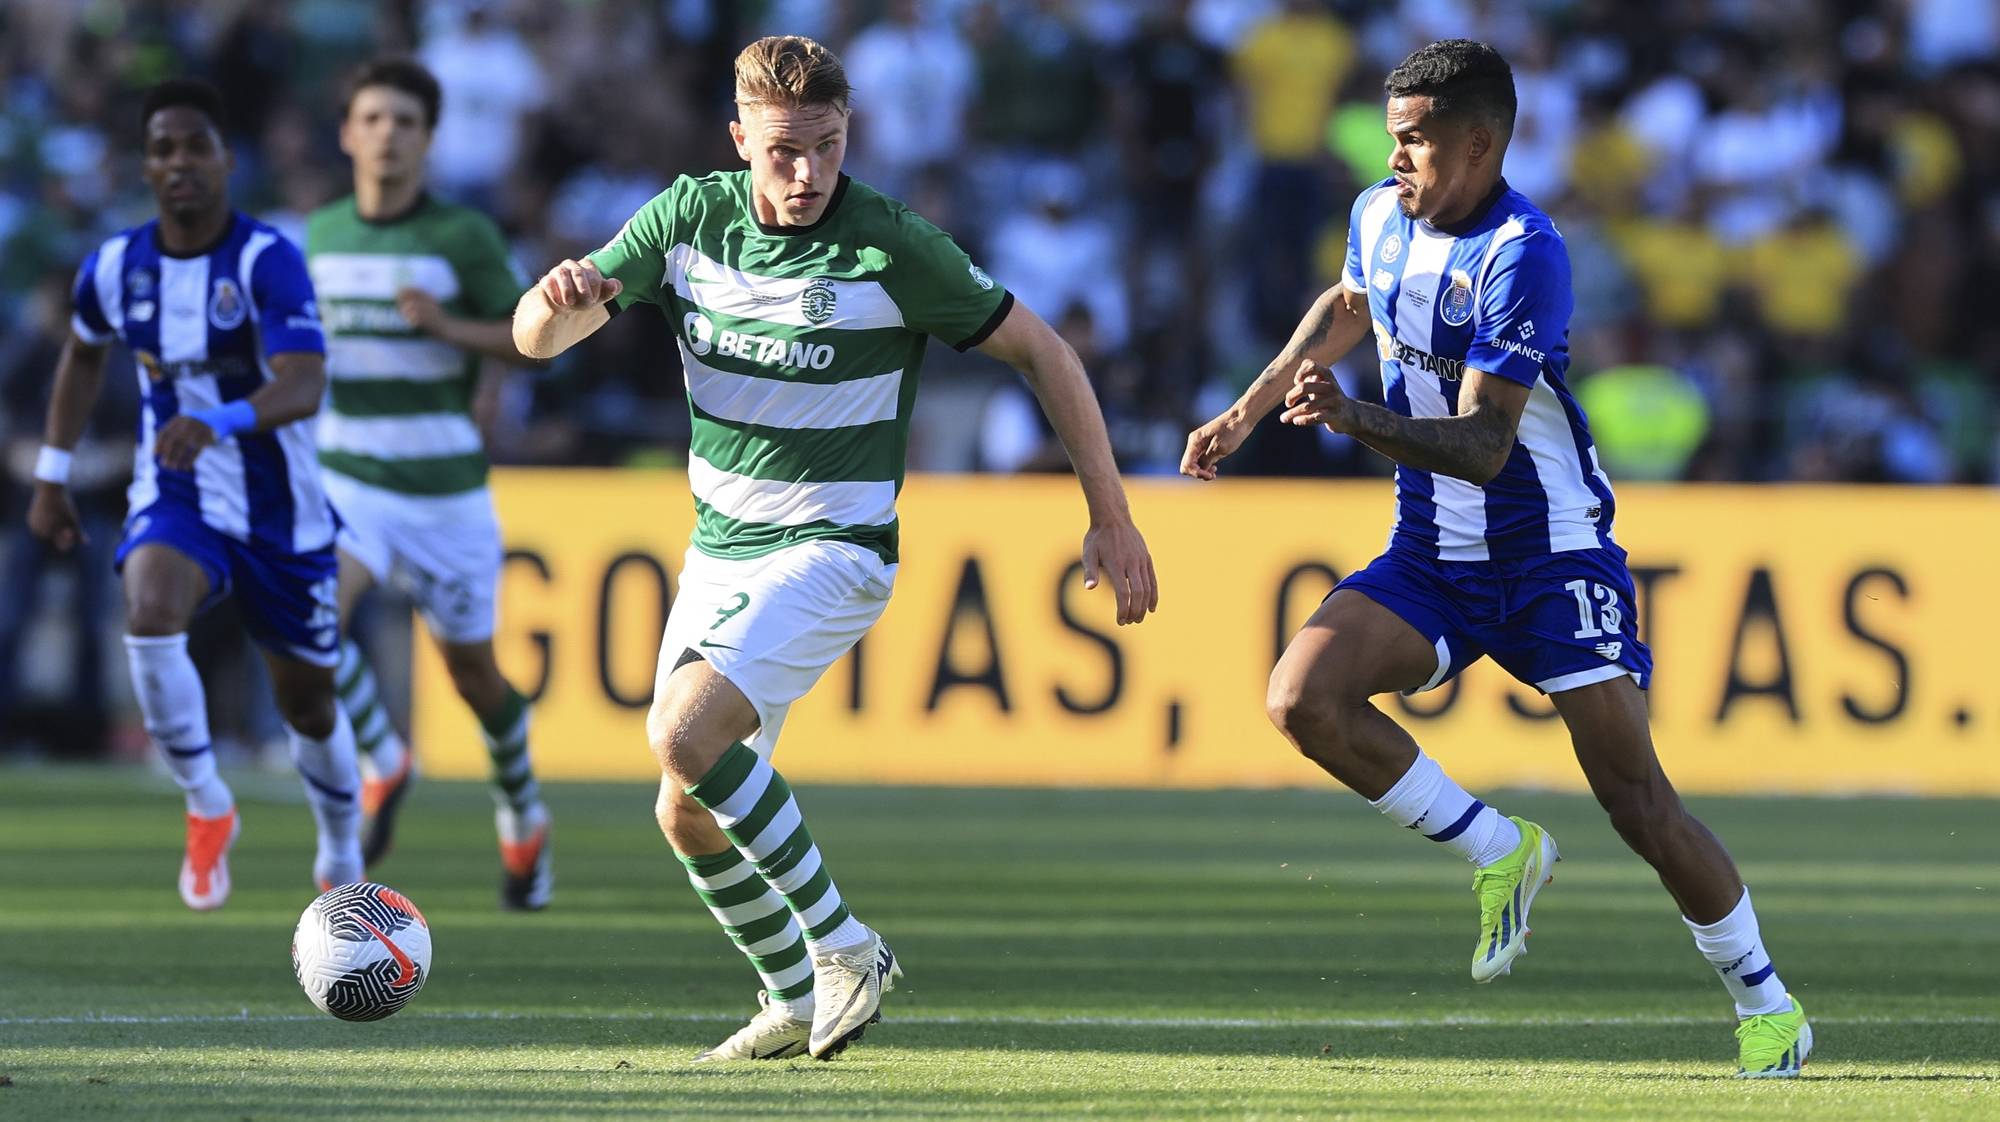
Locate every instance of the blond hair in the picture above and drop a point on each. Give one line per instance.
(791, 72)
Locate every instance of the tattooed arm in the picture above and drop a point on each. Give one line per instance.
(1335, 323)
(1472, 444)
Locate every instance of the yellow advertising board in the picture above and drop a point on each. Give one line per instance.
(1807, 639)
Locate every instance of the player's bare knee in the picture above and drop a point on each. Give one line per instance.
(150, 615)
(308, 711)
(1316, 720)
(476, 677)
(683, 754)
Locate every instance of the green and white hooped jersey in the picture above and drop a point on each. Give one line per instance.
(398, 412)
(801, 347)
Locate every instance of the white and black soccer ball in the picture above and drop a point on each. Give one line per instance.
(361, 951)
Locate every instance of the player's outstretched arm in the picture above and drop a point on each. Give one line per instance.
(1472, 445)
(296, 388)
(563, 308)
(1113, 546)
(487, 338)
(1336, 321)
(52, 514)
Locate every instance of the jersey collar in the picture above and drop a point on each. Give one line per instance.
(423, 199)
(832, 204)
(1471, 221)
(228, 228)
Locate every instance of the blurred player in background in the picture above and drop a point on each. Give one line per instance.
(802, 301)
(417, 291)
(1502, 544)
(225, 498)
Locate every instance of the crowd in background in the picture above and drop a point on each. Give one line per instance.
(1783, 215)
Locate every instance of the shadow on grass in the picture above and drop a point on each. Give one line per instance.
(663, 1043)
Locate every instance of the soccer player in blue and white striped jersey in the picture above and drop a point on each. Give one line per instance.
(218, 311)
(1502, 545)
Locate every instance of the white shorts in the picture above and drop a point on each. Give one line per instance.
(444, 550)
(773, 624)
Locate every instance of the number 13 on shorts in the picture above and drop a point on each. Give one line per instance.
(1597, 609)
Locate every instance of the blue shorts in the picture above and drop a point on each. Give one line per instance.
(290, 601)
(1556, 622)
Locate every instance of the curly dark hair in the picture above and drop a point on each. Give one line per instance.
(194, 93)
(1465, 80)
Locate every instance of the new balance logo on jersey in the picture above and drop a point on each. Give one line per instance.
(1611, 651)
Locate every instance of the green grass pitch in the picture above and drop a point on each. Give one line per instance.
(1070, 954)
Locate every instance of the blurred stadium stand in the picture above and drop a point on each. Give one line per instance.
(1784, 215)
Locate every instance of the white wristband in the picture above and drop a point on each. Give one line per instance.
(52, 466)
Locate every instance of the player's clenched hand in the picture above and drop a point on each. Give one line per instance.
(1316, 398)
(1208, 444)
(180, 441)
(419, 309)
(52, 517)
(1116, 552)
(578, 284)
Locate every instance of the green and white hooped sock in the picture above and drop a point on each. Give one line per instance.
(513, 777)
(374, 734)
(758, 922)
(755, 809)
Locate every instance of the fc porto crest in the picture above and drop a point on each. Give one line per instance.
(817, 301)
(226, 306)
(1457, 307)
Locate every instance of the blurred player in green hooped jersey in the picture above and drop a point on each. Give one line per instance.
(416, 291)
(802, 302)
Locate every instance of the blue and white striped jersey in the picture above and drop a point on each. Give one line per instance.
(201, 328)
(1493, 294)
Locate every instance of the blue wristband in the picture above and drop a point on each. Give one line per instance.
(228, 420)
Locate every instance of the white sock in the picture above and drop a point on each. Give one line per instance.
(333, 788)
(176, 715)
(1427, 801)
(851, 933)
(1735, 948)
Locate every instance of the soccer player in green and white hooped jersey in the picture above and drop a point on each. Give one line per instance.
(802, 301)
(416, 292)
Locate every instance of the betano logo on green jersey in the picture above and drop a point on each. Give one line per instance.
(703, 338)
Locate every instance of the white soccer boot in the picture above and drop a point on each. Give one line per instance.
(773, 1034)
(847, 987)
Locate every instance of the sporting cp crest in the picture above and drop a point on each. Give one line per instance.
(1457, 307)
(226, 307)
(817, 301)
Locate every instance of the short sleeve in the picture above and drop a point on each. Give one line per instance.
(87, 316)
(939, 290)
(489, 282)
(281, 293)
(1524, 308)
(1354, 276)
(637, 256)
